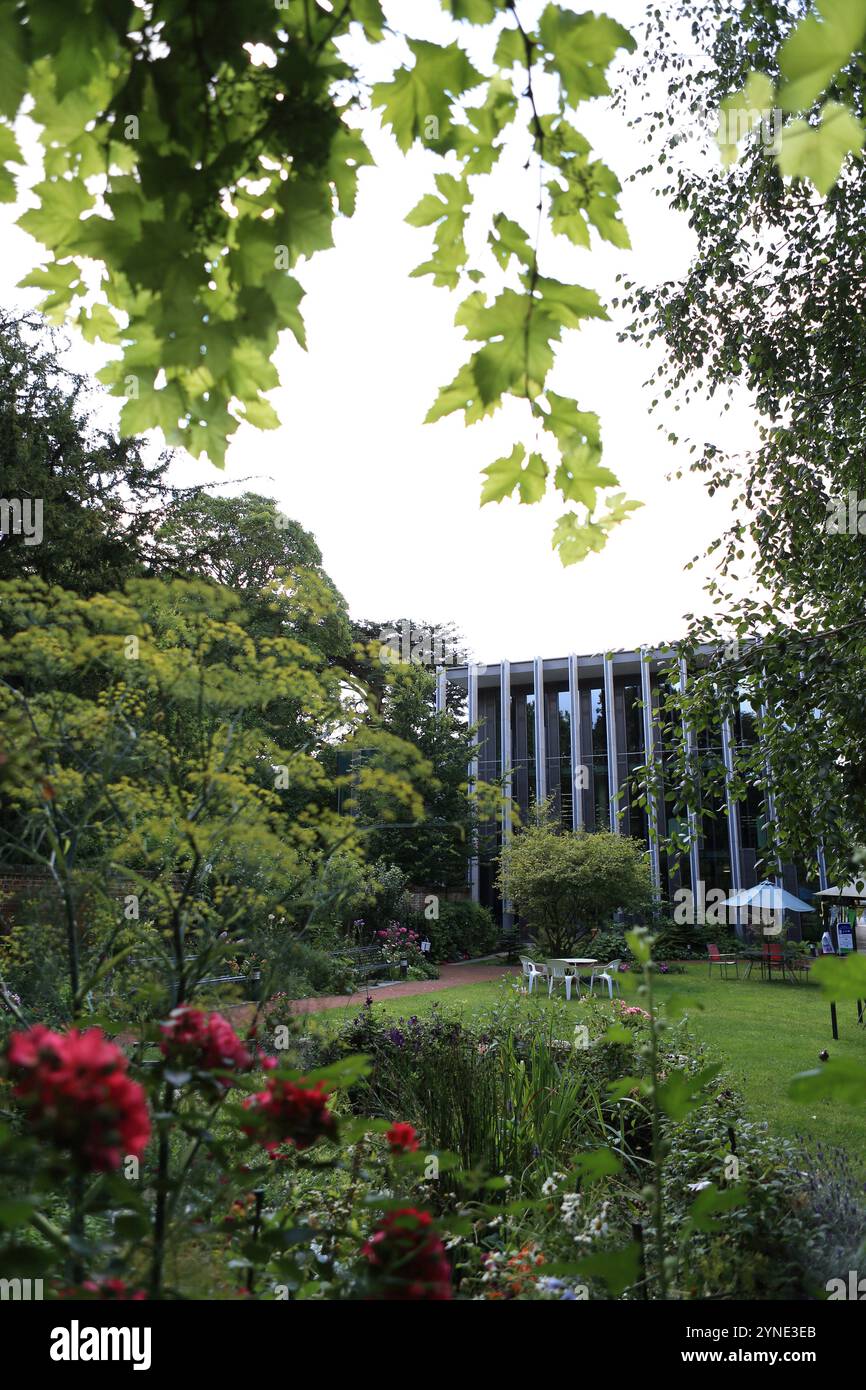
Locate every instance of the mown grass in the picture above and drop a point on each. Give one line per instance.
(763, 1032)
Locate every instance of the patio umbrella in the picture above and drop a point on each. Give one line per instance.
(767, 897)
(850, 893)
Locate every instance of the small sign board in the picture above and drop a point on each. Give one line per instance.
(844, 936)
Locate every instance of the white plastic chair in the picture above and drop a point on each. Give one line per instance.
(562, 970)
(532, 971)
(609, 976)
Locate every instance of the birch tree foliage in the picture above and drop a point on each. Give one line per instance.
(810, 88)
(198, 152)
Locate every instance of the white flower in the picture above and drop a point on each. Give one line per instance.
(548, 1187)
(699, 1186)
(570, 1209)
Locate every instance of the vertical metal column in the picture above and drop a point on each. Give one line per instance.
(770, 802)
(472, 713)
(577, 816)
(540, 740)
(441, 679)
(612, 761)
(823, 882)
(733, 810)
(694, 845)
(649, 745)
(505, 769)
(732, 807)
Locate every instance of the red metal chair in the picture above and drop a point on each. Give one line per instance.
(721, 961)
(773, 958)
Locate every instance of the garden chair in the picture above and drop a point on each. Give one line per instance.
(715, 958)
(565, 971)
(608, 976)
(532, 972)
(798, 967)
(773, 958)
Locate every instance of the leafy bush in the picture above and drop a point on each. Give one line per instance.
(565, 883)
(515, 1091)
(398, 944)
(795, 1223)
(462, 931)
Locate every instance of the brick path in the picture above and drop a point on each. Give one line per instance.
(451, 976)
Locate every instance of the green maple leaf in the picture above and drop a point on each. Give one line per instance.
(425, 91)
(506, 474)
(99, 323)
(287, 293)
(250, 371)
(13, 69)
(255, 254)
(370, 16)
(460, 394)
(306, 224)
(508, 239)
(510, 49)
(476, 141)
(518, 354)
(476, 11)
(62, 201)
(817, 48)
(568, 304)
(578, 48)
(448, 212)
(817, 152)
(580, 475)
(154, 409)
(262, 414)
(9, 154)
(575, 539)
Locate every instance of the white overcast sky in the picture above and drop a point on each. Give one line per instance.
(393, 502)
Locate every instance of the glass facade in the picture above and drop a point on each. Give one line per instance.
(590, 780)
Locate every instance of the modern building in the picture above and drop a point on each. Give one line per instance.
(576, 729)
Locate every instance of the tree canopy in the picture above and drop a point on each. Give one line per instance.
(771, 306)
(198, 154)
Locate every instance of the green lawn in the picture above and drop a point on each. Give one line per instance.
(764, 1033)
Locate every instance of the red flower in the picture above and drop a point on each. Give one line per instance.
(407, 1258)
(203, 1042)
(402, 1138)
(290, 1112)
(79, 1096)
(114, 1289)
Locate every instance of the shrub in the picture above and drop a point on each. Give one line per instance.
(565, 883)
(462, 931)
(398, 944)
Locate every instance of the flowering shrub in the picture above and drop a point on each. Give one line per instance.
(402, 1138)
(196, 1041)
(512, 1274)
(289, 1112)
(407, 1258)
(399, 944)
(77, 1095)
(111, 1289)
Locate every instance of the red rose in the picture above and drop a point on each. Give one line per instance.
(107, 1288)
(290, 1112)
(402, 1138)
(78, 1094)
(407, 1258)
(198, 1041)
